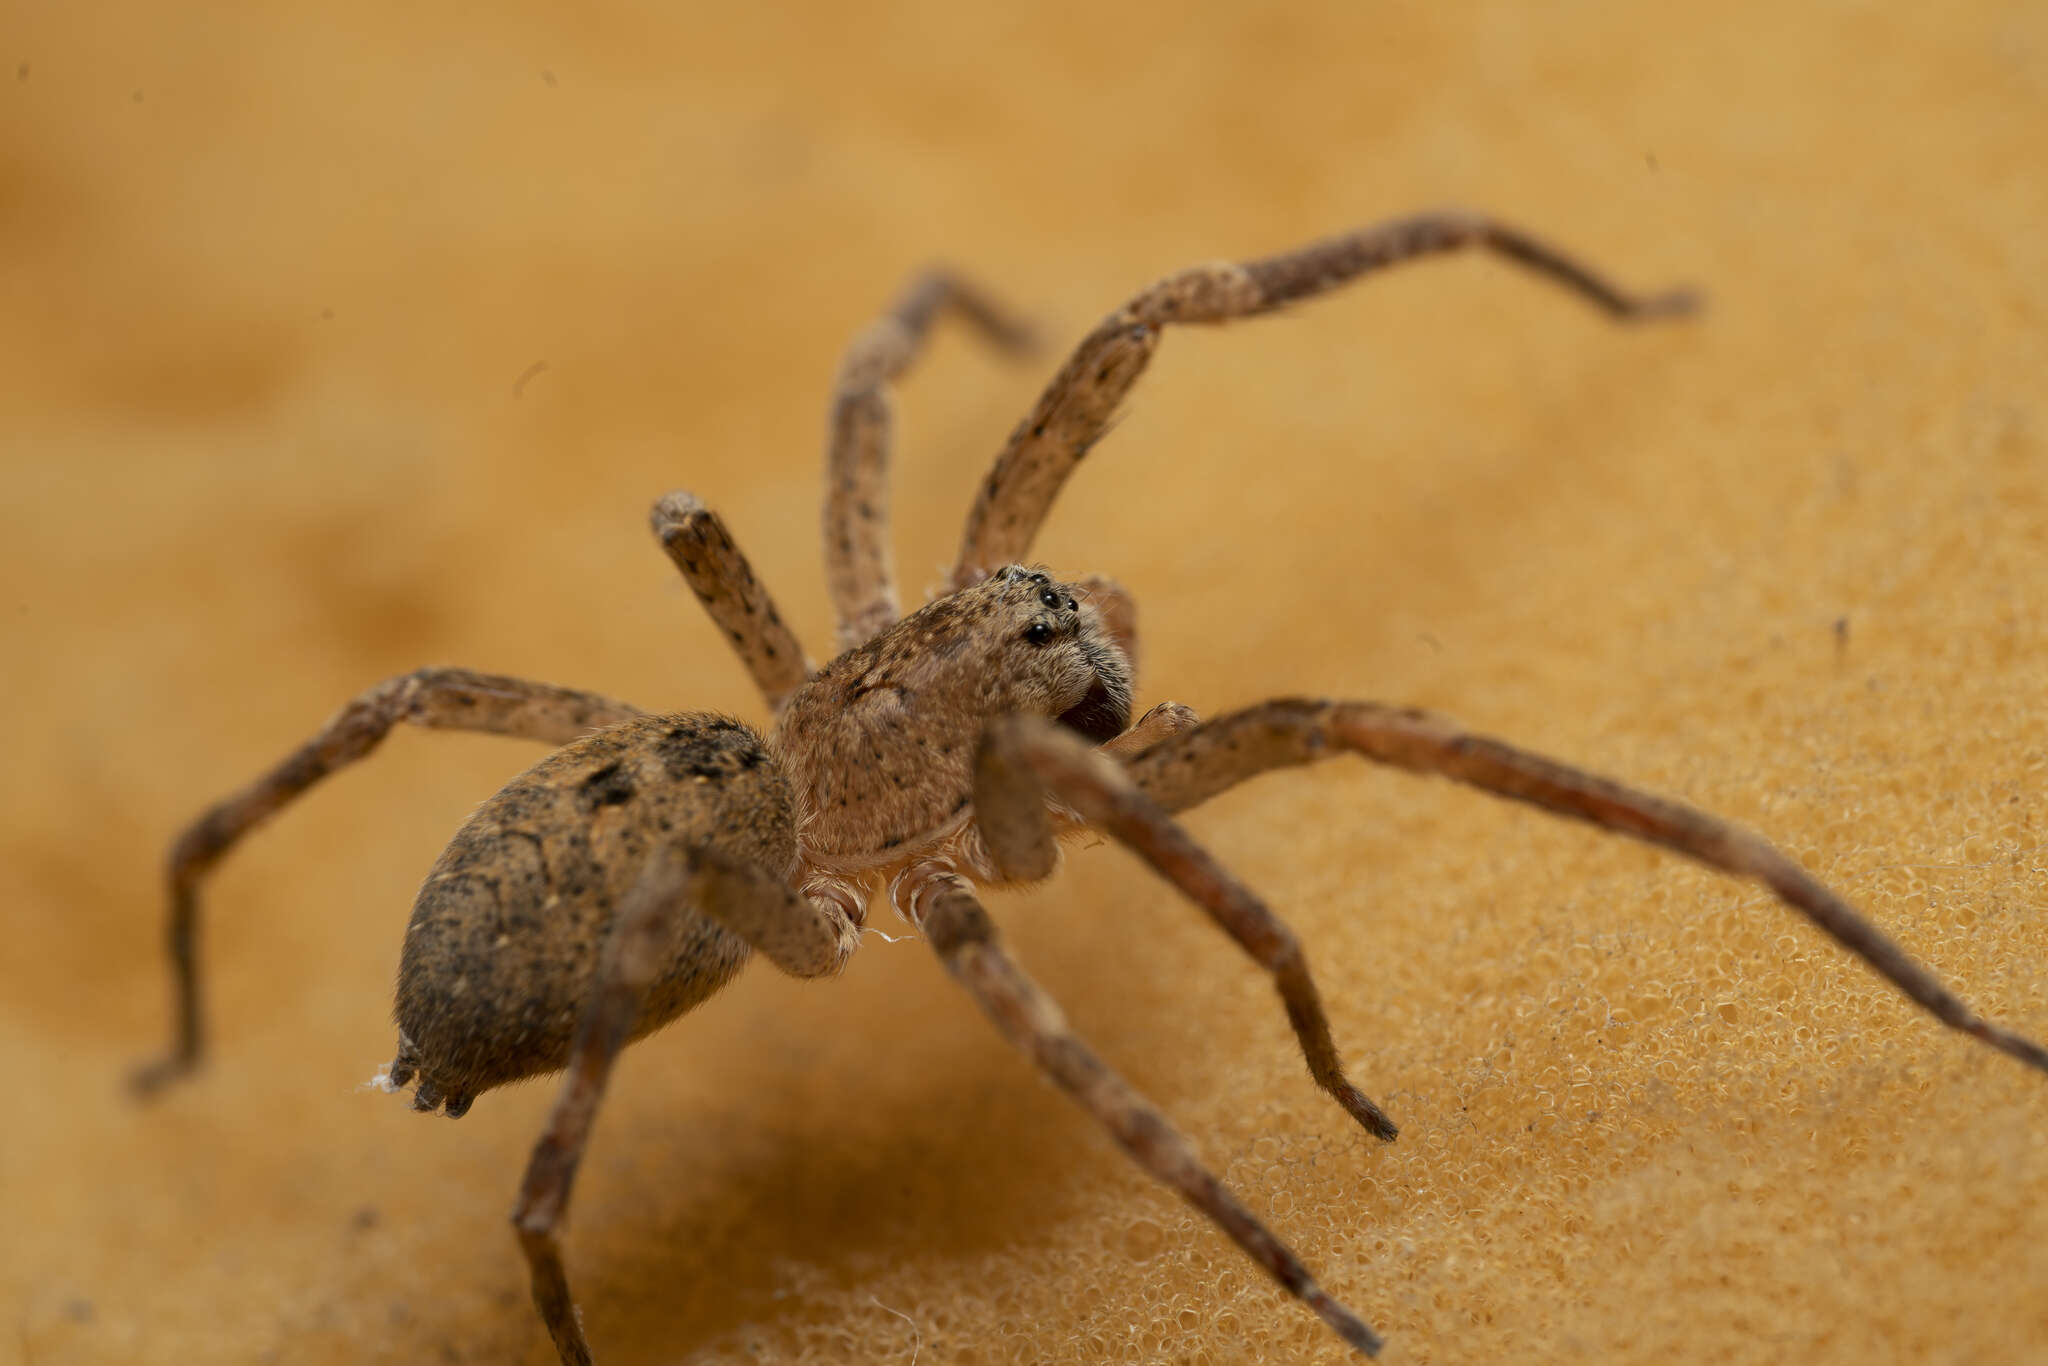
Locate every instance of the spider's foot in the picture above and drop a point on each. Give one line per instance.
(1360, 1105)
(2005, 1041)
(147, 1080)
(1675, 303)
(1349, 1326)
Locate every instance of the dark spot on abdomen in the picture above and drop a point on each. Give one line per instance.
(611, 785)
(712, 747)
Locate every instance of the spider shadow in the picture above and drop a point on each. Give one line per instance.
(947, 1152)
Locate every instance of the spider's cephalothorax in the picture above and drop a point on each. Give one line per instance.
(881, 743)
(632, 872)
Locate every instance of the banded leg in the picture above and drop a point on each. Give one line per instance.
(801, 937)
(858, 570)
(1191, 768)
(939, 902)
(696, 540)
(1076, 408)
(442, 699)
(1024, 758)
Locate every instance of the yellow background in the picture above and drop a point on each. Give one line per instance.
(270, 275)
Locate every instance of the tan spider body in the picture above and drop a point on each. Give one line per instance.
(868, 772)
(632, 872)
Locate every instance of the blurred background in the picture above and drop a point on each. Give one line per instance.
(338, 341)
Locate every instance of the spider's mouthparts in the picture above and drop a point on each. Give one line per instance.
(1102, 715)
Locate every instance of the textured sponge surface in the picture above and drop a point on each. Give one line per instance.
(345, 341)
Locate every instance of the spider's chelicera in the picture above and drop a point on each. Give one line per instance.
(633, 871)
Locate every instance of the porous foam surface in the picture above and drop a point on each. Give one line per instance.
(277, 278)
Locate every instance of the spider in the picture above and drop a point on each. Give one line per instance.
(633, 871)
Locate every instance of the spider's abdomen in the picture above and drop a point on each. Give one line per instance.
(506, 933)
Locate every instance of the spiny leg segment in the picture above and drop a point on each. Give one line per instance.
(442, 699)
(941, 903)
(800, 936)
(718, 573)
(1187, 769)
(1076, 408)
(858, 567)
(1025, 758)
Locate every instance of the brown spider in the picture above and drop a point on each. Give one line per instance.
(628, 875)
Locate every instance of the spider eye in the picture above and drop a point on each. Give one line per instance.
(1049, 598)
(1038, 633)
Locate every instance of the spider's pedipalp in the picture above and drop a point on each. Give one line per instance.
(942, 905)
(1188, 769)
(859, 569)
(1162, 722)
(439, 699)
(718, 573)
(1076, 409)
(1118, 610)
